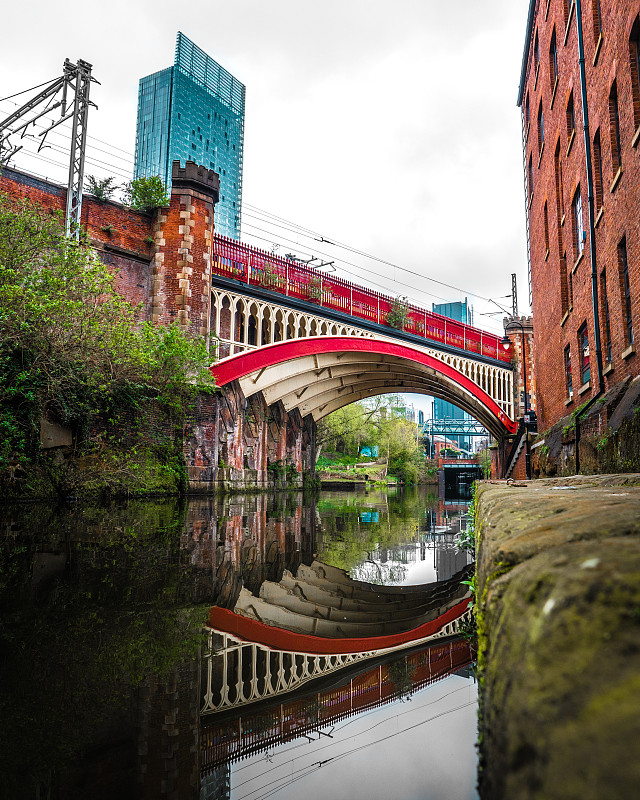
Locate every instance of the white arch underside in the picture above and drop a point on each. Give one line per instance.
(243, 323)
(323, 383)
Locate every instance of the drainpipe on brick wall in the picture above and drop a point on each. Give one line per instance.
(592, 235)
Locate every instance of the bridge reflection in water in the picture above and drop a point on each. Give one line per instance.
(105, 685)
(226, 738)
(249, 660)
(269, 678)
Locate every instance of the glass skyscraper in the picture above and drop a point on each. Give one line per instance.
(194, 111)
(442, 409)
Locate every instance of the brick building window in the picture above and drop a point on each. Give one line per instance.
(540, 128)
(604, 303)
(567, 371)
(569, 284)
(579, 235)
(634, 65)
(546, 228)
(597, 170)
(527, 114)
(559, 188)
(536, 54)
(625, 290)
(530, 176)
(614, 123)
(571, 120)
(583, 349)
(564, 284)
(553, 60)
(597, 20)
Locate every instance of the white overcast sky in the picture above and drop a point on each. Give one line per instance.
(389, 127)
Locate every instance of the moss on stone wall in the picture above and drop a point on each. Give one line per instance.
(609, 437)
(109, 470)
(559, 639)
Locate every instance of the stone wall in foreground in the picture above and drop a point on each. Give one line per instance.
(558, 586)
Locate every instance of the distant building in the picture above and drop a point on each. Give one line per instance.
(407, 412)
(582, 203)
(461, 312)
(194, 111)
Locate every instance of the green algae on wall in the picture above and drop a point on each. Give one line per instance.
(559, 637)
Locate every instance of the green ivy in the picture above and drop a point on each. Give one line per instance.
(71, 348)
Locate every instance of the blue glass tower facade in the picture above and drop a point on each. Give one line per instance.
(461, 312)
(194, 111)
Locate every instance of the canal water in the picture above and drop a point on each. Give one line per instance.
(104, 666)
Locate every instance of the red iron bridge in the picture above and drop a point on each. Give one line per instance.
(259, 268)
(317, 342)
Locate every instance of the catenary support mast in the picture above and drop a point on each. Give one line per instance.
(76, 79)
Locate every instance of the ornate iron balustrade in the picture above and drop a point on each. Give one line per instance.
(256, 267)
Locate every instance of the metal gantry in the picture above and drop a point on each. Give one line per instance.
(454, 427)
(76, 79)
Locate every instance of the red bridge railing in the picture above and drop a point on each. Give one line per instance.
(256, 267)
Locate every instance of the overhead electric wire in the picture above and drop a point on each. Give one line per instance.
(24, 91)
(358, 267)
(115, 147)
(62, 165)
(277, 221)
(89, 157)
(350, 249)
(309, 769)
(279, 218)
(130, 156)
(338, 729)
(362, 268)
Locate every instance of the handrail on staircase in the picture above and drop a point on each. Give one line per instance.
(515, 448)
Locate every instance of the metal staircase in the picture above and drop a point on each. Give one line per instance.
(518, 445)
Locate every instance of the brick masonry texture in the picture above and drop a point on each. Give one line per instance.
(229, 442)
(162, 261)
(181, 284)
(561, 287)
(117, 233)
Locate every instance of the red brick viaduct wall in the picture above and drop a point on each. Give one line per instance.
(162, 262)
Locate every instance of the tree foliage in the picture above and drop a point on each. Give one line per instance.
(398, 316)
(377, 422)
(347, 430)
(70, 347)
(145, 194)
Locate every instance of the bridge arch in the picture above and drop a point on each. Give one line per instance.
(321, 374)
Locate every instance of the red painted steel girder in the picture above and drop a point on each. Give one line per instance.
(255, 267)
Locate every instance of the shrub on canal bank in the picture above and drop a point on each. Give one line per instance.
(379, 424)
(73, 353)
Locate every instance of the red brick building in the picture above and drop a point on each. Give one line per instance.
(582, 163)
